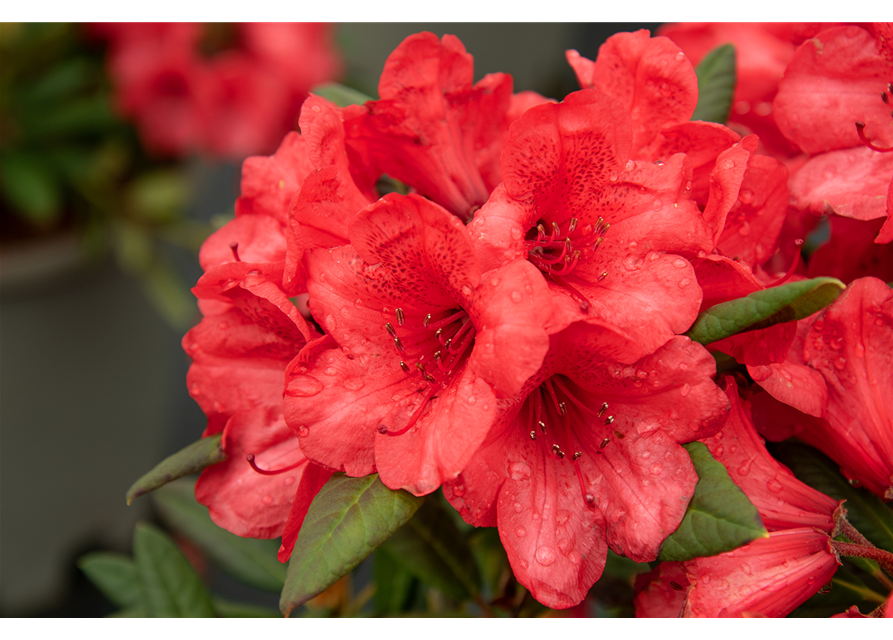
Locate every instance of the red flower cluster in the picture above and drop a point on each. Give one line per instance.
(506, 322)
(219, 90)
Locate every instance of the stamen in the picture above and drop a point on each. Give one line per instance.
(604, 443)
(576, 455)
(609, 420)
(798, 243)
(390, 328)
(427, 320)
(675, 586)
(401, 319)
(404, 366)
(265, 472)
(542, 426)
(234, 247)
(602, 276)
(602, 410)
(860, 126)
(399, 345)
(533, 435)
(618, 435)
(562, 408)
(885, 98)
(558, 451)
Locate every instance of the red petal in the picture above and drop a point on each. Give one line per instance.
(725, 183)
(852, 252)
(312, 480)
(833, 81)
(260, 239)
(661, 593)
(723, 279)
(238, 498)
(759, 346)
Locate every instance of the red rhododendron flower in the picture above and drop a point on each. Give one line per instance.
(849, 345)
(851, 252)
(432, 128)
(586, 457)
(834, 101)
(238, 101)
(420, 346)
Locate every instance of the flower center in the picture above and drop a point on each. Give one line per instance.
(432, 346)
(557, 416)
(556, 252)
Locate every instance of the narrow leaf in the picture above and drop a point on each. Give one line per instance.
(865, 511)
(431, 547)
(115, 575)
(187, 461)
(719, 518)
(339, 94)
(716, 85)
(246, 559)
(762, 309)
(347, 521)
(171, 587)
(226, 609)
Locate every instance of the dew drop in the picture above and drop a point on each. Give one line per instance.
(633, 245)
(840, 363)
(354, 384)
(459, 490)
(519, 471)
(471, 399)
(289, 481)
(331, 371)
(744, 229)
(646, 455)
(267, 499)
(516, 233)
(684, 283)
(746, 569)
(545, 555)
(685, 390)
(728, 164)
(303, 431)
(520, 532)
(612, 177)
(562, 517)
(516, 296)
(517, 507)
(524, 564)
(218, 406)
(680, 56)
(656, 205)
(746, 196)
(195, 390)
(656, 470)
(630, 165)
(744, 469)
(774, 486)
(719, 451)
(859, 350)
(679, 263)
(466, 290)
(575, 557)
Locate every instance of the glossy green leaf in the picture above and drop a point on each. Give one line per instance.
(393, 583)
(171, 588)
(865, 511)
(136, 612)
(115, 575)
(339, 94)
(187, 461)
(431, 547)
(348, 520)
(246, 559)
(762, 309)
(716, 85)
(719, 518)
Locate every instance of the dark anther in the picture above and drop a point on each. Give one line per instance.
(430, 378)
(562, 408)
(542, 426)
(391, 329)
(404, 366)
(400, 317)
(399, 344)
(885, 98)
(604, 443)
(427, 320)
(572, 226)
(576, 455)
(533, 435)
(676, 586)
(602, 410)
(609, 420)
(618, 434)
(602, 276)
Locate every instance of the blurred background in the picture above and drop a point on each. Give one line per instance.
(120, 151)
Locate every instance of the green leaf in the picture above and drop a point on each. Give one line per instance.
(719, 518)
(348, 520)
(339, 94)
(30, 186)
(716, 85)
(431, 547)
(158, 196)
(189, 460)
(248, 560)
(115, 575)
(171, 587)
(865, 511)
(136, 612)
(762, 309)
(393, 583)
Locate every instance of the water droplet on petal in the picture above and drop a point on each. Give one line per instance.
(354, 384)
(656, 470)
(684, 283)
(303, 431)
(290, 480)
(545, 555)
(774, 486)
(303, 386)
(516, 296)
(840, 363)
(685, 390)
(656, 205)
(519, 471)
(516, 233)
(471, 399)
(466, 290)
(331, 371)
(630, 165)
(517, 507)
(680, 56)
(267, 499)
(679, 263)
(520, 532)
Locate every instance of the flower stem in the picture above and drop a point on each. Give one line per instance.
(849, 549)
